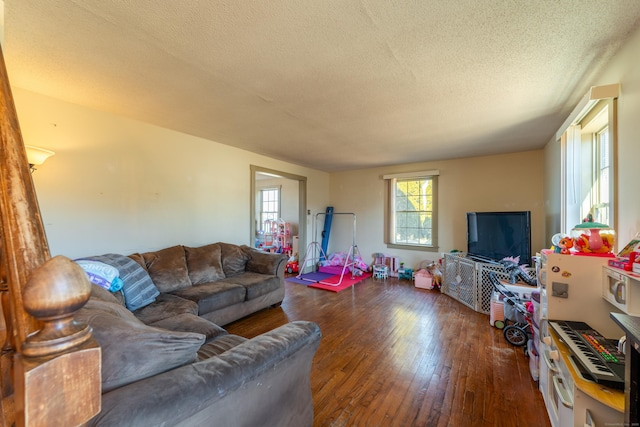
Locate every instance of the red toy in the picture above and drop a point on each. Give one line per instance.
(292, 267)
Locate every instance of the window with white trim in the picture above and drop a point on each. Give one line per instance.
(269, 206)
(412, 211)
(588, 147)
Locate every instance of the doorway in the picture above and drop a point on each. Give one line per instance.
(262, 177)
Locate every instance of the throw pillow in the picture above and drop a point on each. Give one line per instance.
(204, 264)
(101, 274)
(131, 350)
(138, 288)
(168, 268)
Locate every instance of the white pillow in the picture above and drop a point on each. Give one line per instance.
(101, 274)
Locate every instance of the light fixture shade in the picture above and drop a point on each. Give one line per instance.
(37, 156)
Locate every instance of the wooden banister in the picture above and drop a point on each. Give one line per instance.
(38, 294)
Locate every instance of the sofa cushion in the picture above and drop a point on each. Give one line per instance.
(138, 289)
(204, 263)
(168, 268)
(234, 259)
(187, 322)
(213, 296)
(131, 350)
(101, 294)
(166, 305)
(219, 346)
(138, 258)
(264, 262)
(256, 284)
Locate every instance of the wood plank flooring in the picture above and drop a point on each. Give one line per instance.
(395, 355)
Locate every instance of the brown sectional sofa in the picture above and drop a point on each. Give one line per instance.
(169, 362)
(226, 281)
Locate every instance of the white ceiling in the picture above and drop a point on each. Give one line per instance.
(329, 84)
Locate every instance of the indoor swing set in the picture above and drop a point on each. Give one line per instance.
(316, 251)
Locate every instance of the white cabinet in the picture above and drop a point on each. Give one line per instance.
(572, 400)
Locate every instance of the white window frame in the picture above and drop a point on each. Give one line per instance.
(268, 214)
(391, 214)
(580, 158)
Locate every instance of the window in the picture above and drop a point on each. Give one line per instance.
(588, 162)
(600, 185)
(412, 211)
(269, 205)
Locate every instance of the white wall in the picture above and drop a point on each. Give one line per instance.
(624, 68)
(119, 185)
(509, 182)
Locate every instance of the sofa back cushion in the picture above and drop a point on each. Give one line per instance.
(131, 350)
(204, 263)
(234, 259)
(168, 268)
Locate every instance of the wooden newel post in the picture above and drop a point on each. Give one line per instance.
(54, 361)
(58, 379)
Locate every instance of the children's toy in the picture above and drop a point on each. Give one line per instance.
(516, 271)
(292, 267)
(315, 253)
(380, 271)
(423, 279)
(517, 315)
(593, 237)
(435, 271)
(565, 244)
(628, 256)
(390, 261)
(429, 275)
(405, 273)
(338, 259)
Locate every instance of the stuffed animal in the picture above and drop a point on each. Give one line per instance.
(565, 244)
(516, 271)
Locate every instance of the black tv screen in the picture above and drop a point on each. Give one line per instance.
(497, 235)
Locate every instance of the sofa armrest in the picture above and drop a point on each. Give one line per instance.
(265, 262)
(263, 381)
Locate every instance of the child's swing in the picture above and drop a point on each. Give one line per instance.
(315, 253)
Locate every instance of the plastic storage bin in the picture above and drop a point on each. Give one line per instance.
(497, 308)
(423, 279)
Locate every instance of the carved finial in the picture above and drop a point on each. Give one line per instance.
(53, 293)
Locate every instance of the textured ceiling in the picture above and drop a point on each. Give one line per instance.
(329, 84)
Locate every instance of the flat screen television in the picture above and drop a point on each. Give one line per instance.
(492, 236)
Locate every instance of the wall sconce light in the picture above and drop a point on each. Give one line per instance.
(36, 156)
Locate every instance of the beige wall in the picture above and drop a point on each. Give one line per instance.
(623, 69)
(510, 182)
(118, 185)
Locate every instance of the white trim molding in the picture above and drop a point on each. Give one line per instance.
(421, 174)
(595, 94)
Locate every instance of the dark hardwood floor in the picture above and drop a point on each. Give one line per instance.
(395, 355)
